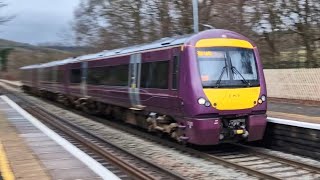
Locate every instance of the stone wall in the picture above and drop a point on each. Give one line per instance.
(300, 84)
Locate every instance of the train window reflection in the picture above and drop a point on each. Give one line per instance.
(155, 75)
(206, 64)
(243, 61)
(75, 76)
(110, 75)
(221, 67)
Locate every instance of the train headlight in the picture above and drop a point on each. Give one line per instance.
(202, 101)
(262, 99)
(207, 104)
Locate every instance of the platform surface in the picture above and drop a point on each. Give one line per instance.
(28, 153)
(12, 83)
(295, 112)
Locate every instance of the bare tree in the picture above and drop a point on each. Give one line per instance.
(303, 18)
(267, 22)
(278, 26)
(4, 19)
(4, 52)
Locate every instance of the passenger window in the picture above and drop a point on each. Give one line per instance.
(49, 75)
(75, 76)
(60, 76)
(46, 75)
(155, 75)
(111, 75)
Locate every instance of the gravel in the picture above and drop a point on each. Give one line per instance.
(184, 164)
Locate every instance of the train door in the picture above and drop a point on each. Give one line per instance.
(176, 101)
(40, 78)
(134, 81)
(84, 70)
(54, 82)
(67, 75)
(35, 78)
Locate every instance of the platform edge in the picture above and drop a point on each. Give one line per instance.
(83, 157)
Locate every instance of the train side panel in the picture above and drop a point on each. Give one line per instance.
(163, 87)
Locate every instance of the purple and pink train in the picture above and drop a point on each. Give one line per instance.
(204, 89)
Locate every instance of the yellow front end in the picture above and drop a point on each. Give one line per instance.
(233, 99)
(226, 98)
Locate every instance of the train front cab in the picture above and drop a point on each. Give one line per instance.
(230, 93)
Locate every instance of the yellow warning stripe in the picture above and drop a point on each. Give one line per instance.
(5, 169)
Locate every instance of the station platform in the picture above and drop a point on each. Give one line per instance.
(11, 83)
(294, 112)
(29, 150)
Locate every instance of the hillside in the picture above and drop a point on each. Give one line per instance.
(8, 43)
(25, 54)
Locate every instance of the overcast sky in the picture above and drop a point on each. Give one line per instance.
(37, 21)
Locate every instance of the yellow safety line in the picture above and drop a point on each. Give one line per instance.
(5, 169)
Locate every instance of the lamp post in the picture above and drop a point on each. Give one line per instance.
(195, 16)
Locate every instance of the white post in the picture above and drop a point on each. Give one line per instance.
(195, 16)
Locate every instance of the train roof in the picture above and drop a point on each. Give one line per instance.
(164, 42)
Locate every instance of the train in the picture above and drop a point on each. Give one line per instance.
(205, 88)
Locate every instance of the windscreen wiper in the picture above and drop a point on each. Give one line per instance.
(221, 75)
(235, 71)
(223, 70)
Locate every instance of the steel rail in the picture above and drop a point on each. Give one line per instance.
(234, 165)
(280, 159)
(203, 155)
(131, 169)
(134, 172)
(55, 121)
(219, 160)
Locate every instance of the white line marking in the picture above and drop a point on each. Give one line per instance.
(294, 123)
(7, 110)
(86, 159)
(16, 118)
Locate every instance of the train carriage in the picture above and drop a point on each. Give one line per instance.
(204, 89)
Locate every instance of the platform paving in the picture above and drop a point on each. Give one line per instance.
(23, 162)
(312, 111)
(33, 155)
(297, 112)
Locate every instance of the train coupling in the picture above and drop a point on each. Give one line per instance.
(235, 132)
(243, 132)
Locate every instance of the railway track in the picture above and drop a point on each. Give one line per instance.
(240, 157)
(120, 161)
(275, 166)
(271, 166)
